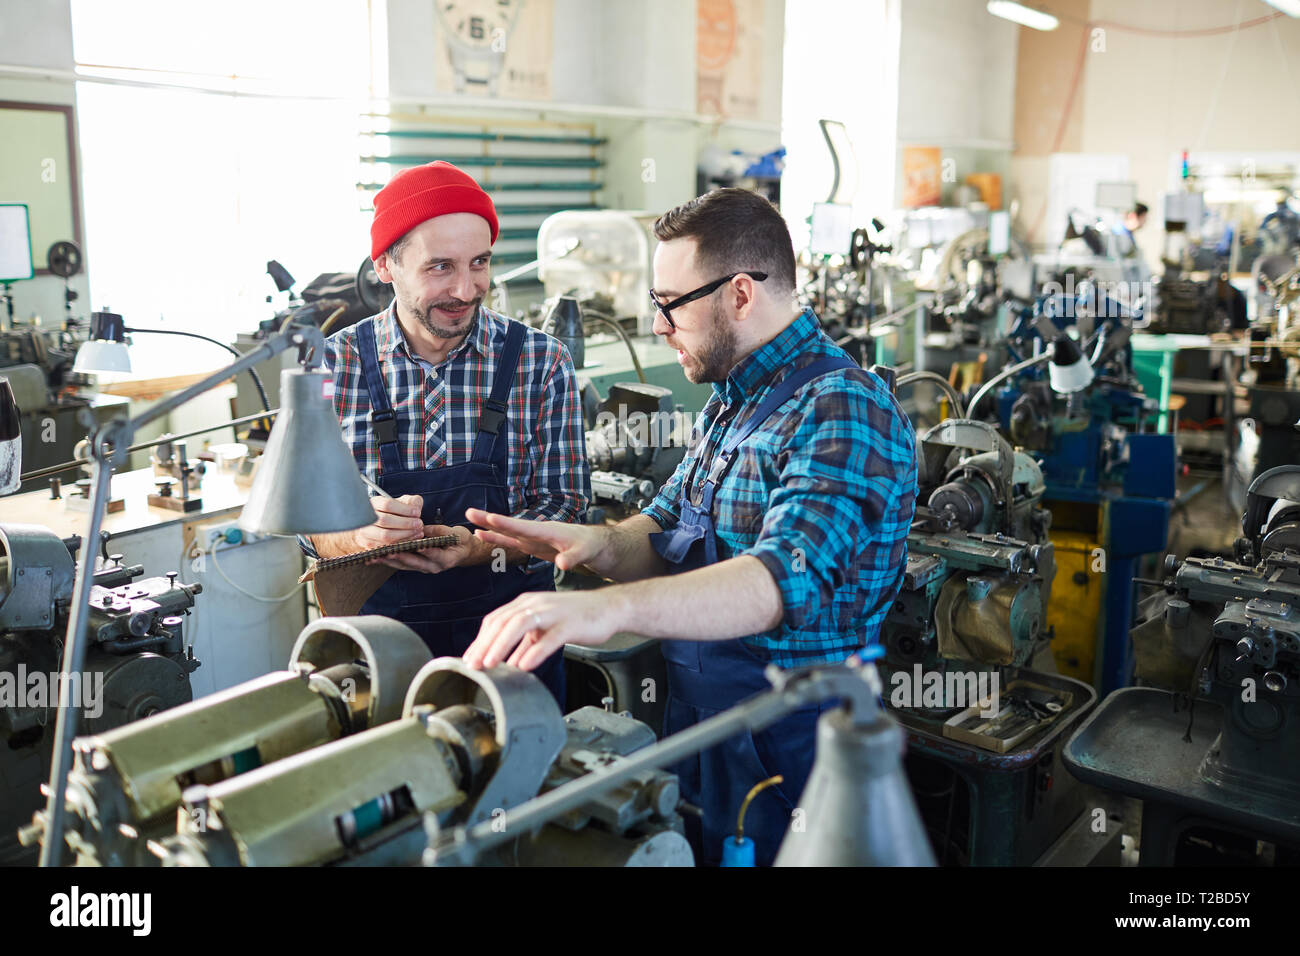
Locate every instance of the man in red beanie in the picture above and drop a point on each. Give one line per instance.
(448, 405)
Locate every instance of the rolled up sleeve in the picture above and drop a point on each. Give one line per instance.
(847, 478)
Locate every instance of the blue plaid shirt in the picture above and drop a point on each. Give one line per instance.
(437, 411)
(823, 493)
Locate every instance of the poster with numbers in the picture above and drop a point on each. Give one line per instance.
(496, 48)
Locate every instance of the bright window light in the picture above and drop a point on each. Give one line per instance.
(1025, 16)
(189, 192)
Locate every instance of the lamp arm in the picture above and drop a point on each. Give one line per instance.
(857, 683)
(108, 445)
(257, 379)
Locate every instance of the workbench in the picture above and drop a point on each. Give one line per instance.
(235, 637)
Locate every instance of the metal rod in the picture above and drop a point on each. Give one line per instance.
(153, 443)
(884, 321)
(757, 712)
(74, 658)
(260, 354)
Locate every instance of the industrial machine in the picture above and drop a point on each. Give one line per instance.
(483, 770)
(1273, 371)
(345, 675)
(469, 746)
(137, 664)
(37, 358)
(639, 437)
(1210, 742)
(967, 670)
(1109, 480)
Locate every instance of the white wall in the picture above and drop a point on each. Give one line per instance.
(1149, 96)
(37, 34)
(956, 86)
(1210, 94)
(638, 55)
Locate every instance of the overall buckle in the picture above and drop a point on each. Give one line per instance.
(384, 424)
(491, 417)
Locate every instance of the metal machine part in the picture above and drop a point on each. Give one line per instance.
(137, 663)
(1229, 632)
(857, 806)
(1211, 747)
(470, 746)
(979, 564)
(638, 438)
(345, 675)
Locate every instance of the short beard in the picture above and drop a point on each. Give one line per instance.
(718, 354)
(425, 316)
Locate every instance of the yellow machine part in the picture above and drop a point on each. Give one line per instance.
(1077, 604)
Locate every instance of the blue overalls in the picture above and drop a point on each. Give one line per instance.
(708, 677)
(446, 609)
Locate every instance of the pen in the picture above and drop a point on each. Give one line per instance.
(374, 487)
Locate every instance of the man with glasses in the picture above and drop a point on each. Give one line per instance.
(781, 539)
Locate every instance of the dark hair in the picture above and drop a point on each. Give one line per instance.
(1140, 209)
(395, 250)
(734, 229)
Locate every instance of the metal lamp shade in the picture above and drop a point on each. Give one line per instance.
(858, 809)
(307, 481)
(100, 356)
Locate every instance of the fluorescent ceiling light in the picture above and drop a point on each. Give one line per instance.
(1037, 19)
(1290, 7)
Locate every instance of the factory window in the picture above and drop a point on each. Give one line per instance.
(212, 144)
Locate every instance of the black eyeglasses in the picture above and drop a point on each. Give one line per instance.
(665, 308)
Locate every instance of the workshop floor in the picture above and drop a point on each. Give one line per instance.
(1207, 523)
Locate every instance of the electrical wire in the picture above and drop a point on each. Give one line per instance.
(606, 320)
(934, 379)
(1002, 376)
(257, 379)
(212, 552)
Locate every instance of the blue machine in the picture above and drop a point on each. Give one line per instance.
(1110, 482)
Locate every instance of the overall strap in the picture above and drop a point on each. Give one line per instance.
(781, 394)
(383, 421)
(493, 414)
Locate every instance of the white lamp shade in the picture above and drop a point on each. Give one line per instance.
(100, 356)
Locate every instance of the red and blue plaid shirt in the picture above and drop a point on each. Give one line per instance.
(547, 475)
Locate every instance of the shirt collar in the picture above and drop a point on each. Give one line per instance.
(389, 337)
(759, 365)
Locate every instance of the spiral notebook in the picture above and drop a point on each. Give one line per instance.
(345, 583)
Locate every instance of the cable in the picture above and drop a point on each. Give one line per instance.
(212, 552)
(934, 379)
(604, 320)
(257, 380)
(1005, 374)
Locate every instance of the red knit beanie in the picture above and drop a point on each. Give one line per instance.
(417, 195)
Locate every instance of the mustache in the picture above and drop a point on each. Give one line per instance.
(455, 305)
